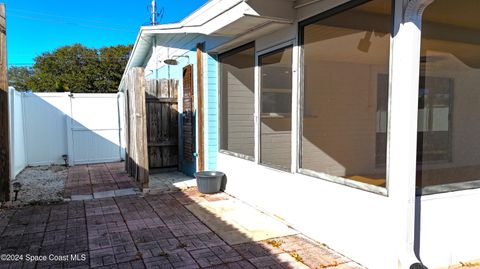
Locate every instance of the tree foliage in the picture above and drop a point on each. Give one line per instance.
(18, 77)
(79, 69)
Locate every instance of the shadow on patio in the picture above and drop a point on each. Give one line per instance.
(168, 230)
(101, 180)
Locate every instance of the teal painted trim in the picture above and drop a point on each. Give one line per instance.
(211, 132)
(176, 72)
(212, 110)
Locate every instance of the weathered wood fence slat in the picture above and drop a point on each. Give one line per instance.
(188, 120)
(151, 125)
(135, 127)
(162, 123)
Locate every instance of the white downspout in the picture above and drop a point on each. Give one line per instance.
(403, 127)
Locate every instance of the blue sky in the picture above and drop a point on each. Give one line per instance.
(35, 26)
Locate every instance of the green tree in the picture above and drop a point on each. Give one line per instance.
(79, 69)
(18, 77)
(112, 64)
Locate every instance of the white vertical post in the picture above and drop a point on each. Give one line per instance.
(68, 121)
(121, 123)
(257, 120)
(24, 126)
(295, 116)
(69, 126)
(402, 149)
(11, 108)
(206, 123)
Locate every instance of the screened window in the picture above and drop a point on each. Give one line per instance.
(448, 152)
(237, 101)
(276, 108)
(346, 71)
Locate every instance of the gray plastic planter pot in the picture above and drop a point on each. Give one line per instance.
(209, 181)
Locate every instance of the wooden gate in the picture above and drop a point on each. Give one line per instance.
(162, 123)
(188, 121)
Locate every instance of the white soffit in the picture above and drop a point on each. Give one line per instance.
(216, 18)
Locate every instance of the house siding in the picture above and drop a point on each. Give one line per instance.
(211, 129)
(210, 102)
(176, 72)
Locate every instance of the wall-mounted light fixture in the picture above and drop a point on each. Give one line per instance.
(173, 60)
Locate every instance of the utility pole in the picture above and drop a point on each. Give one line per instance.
(154, 12)
(4, 126)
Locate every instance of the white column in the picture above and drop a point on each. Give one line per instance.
(257, 113)
(295, 146)
(11, 119)
(401, 164)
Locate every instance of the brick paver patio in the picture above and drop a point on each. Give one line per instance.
(145, 231)
(141, 231)
(95, 178)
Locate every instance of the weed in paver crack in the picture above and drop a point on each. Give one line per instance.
(139, 255)
(182, 245)
(275, 243)
(164, 254)
(295, 255)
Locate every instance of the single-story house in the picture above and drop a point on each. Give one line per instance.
(356, 122)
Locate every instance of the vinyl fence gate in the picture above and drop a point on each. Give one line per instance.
(46, 127)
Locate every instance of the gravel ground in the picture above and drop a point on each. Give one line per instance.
(41, 184)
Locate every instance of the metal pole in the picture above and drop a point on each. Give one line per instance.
(154, 13)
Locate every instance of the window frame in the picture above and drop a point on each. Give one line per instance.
(220, 127)
(258, 95)
(451, 91)
(301, 92)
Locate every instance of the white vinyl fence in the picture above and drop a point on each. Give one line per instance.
(18, 158)
(86, 128)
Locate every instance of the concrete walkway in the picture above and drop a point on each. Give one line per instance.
(151, 231)
(169, 181)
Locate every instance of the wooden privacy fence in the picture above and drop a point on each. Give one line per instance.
(188, 119)
(136, 159)
(162, 123)
(151, 124)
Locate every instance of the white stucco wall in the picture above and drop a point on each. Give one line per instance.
(449, 228)
(362, 225)
(359, 224)
(354, 222)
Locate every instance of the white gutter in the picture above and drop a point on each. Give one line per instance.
(127, 67)
(183, 26)
(185, 23)
(306, 4)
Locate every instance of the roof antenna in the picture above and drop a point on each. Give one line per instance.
(154, 13)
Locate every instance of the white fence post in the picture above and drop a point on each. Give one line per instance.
(11, 102)
(70, 153)
(17, 134)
